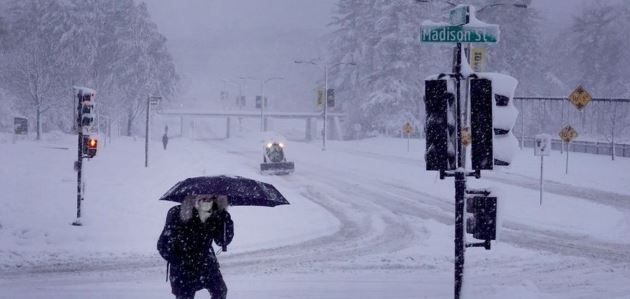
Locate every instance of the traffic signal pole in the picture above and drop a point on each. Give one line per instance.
(86, 144)
(79, 163)
(460, 179)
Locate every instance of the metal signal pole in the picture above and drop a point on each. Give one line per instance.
(460, 180)
(79, 163)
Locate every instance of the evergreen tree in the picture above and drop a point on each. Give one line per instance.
(385, 89)
(519, 52)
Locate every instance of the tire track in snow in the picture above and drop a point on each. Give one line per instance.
(613, 199)
(415, 203)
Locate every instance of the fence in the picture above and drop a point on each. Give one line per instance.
(597, 148)
(606, 119)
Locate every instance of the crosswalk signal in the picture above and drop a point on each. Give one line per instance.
(482, 223)
(90, 145)
(440, 126)
(492, 118)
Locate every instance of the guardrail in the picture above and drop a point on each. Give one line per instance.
(589, 147)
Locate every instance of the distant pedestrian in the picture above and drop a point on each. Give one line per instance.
(164, 140)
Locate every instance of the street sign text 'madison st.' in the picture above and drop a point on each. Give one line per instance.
(434, 33)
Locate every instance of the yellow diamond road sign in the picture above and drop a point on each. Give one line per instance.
(580, 97)
(568, 133)
(407, 128)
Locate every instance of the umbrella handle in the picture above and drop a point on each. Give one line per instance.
(224, 247)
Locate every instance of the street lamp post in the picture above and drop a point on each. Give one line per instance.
(263, 82)
(325, 67)
(151, 100)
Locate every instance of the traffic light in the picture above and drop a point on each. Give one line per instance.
(87, 117)
(90, 145)
(86, 112)
(330, 96)
(320, 97)
(492, 118)
(481, 124)
(482, 224)
(440, 126)
(240, 101)
(259, 102)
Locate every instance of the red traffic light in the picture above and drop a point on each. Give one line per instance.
(92, 143)
(89, 146)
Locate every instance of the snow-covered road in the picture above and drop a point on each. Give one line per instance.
(376, 226)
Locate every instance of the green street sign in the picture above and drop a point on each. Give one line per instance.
(458, 15)
(459, 34)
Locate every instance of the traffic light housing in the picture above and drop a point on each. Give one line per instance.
(481, 129)
(259, 101)
(330, 97)
(492, 117)
(87, 117)
(440, 126)
(482, 223)
(89, 146)
(86, 107)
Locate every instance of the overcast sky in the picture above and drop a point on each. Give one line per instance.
(213, 40)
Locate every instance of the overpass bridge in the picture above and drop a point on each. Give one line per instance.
(333, 126)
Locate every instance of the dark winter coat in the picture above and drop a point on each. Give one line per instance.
(187, 246)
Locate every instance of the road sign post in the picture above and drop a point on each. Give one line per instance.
(408, 129)
(542, 148)
(567, 134)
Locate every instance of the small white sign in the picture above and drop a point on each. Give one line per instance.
(542, 145)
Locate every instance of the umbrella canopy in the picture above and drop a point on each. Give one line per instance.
(239, 190)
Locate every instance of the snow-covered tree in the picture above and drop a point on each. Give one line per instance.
(384, 90)
(111, 46)
(31, 73)
(519, 53)
(599, 46)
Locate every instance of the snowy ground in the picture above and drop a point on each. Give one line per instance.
(366, 221)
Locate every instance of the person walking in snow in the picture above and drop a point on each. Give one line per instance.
(164, 140)
(186, 244)
(165, 137)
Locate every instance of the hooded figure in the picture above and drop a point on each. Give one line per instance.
(186, 244)
(164, 140)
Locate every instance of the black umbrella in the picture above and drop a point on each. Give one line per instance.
(239, 190)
